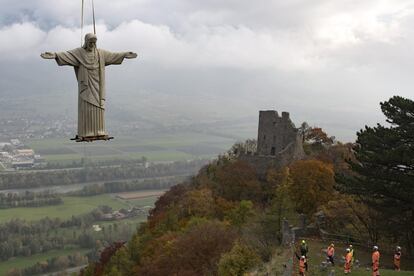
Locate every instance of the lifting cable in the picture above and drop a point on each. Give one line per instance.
(82, 22)
(93, 17)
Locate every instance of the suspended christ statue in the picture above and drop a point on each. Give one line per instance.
(89, 64)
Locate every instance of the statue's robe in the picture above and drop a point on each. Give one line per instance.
(90, 73)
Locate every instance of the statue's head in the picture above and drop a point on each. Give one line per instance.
(90, 42)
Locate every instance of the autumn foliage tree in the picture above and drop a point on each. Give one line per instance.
(312, 185)
(237, 181)
(196, 251)
(355, 218)
(238, 261)
(160, 214)
(316, 135)
(198, 202)
(97, 268)
(240, 214)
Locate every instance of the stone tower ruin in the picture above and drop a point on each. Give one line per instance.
(276, 133)
(279, 142)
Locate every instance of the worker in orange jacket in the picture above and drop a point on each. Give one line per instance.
(330, 253)
(397, 259)
(375, 261)
(348, 260)
(302, 264)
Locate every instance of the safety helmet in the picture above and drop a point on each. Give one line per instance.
(332, 245)
(348, 250)
(303, 241)
(375, 247)
(302, 257)
(398, 248)
(350, 246)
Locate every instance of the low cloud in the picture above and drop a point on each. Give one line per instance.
(224, 46)
(320, 60)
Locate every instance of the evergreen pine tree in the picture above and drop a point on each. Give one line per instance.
(384, 174)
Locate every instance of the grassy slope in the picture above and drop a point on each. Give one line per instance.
(316, 256)
(21, 262)
(281, 256)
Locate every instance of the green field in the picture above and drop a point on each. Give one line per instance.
(21, 262)
(71, 206)
(141, 202)
(168, 147)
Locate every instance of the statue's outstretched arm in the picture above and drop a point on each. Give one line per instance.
(116, 57)
(130, 55)
(48, 55)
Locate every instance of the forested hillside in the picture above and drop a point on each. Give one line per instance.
(226, 220)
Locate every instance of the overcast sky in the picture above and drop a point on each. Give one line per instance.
(327, 62)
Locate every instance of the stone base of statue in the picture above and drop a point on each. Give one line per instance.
(92, 138)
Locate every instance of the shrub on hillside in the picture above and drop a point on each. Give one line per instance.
(238, 261)
(196, 251)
